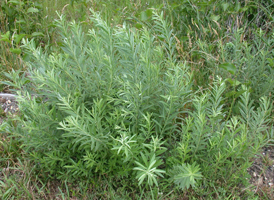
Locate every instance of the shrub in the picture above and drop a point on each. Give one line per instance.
(115, 103)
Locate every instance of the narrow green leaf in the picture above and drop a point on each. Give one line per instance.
(17, 38)
(233, 82)
(16, 2)
(215, 17)
(145, 15)
(15, 50)
(32, 10)
(271, 62)
(36, 34)
(21, 21)
(5, 37)
(138, 25)
(225, 6)
(231, 68)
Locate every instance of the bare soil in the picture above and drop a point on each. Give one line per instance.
(262, 172)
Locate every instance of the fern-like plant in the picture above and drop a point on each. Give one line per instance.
(185, 175)
(116, 103)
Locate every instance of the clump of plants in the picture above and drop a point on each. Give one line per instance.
(217, 38)
(116, 104)
(33, 20)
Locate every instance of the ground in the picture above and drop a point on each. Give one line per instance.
(262, 172)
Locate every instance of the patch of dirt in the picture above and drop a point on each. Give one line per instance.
(262, 172)
(8, 106)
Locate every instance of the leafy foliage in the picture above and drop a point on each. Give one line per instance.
(231, 40)
(185, 175)
(102, 99)
(148, 170)
(116, 103)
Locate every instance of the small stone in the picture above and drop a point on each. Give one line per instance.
(260, 181)
(8, 101)
(6, 171)
(254, 174)
(270, 184)
(2, 100)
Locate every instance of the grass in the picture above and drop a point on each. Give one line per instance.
(215, 40)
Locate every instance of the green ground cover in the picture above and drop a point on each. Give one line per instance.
(135, 99)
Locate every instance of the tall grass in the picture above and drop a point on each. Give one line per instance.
(214, 33)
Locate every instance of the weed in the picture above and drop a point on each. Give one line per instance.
(112, 101)
(115, 106)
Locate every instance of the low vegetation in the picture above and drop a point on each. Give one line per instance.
(135, 100)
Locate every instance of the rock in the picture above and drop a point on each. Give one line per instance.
(2, 100)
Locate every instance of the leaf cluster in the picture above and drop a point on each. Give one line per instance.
(116, 103)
